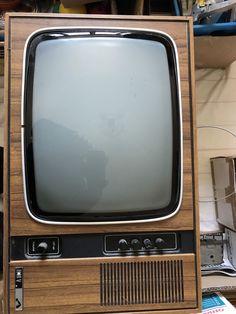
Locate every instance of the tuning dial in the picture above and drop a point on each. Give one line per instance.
(136, 244)
(42, 247)
(159, 242)
(123, 245)
(148, 244)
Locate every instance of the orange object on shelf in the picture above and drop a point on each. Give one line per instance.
(77, 3)
(79, 9)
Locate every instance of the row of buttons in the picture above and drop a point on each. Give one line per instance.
(136, 244)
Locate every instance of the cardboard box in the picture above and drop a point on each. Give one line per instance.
(211, 249)
(231, 245)
(221, 283)
(223, 177)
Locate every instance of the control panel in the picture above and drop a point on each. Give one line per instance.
(100, 245)
(43, 246)
(141, 242)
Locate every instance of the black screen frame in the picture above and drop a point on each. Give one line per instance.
(28, 162)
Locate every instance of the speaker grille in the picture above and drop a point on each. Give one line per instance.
(141, 283)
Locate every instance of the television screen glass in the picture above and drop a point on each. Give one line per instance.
(102, 126)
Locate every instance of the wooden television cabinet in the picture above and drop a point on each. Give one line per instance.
(91, 280)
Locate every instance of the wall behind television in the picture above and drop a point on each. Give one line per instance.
(216, 106)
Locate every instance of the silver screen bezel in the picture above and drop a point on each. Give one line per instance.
(51, 222)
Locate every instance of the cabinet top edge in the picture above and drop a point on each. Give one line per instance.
(13, 15)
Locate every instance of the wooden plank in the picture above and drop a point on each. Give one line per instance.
(195, 152)
(6, 215)
(74, 286)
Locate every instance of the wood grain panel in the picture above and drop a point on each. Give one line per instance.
(231, 296)
(195, 164)
(75, 286)
(20, 220)
(6, 218)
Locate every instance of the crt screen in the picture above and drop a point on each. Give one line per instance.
(102, 125)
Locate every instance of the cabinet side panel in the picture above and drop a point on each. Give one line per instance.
(195, 165)
(6, 199)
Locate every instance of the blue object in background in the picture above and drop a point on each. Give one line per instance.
(177, 7)
(210, 301)
(217, 29)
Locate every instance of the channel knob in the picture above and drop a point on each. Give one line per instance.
(136, 244)
(160, 243)
(148, 244)
(123, 245)
(42, 247)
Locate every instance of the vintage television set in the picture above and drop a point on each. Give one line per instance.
(100, 195)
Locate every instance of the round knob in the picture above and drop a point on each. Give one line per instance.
(136, 244)
(42, 247)
(123, 244)
(159, 242)
(148, 244)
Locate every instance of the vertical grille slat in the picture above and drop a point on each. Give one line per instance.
(161, 276)
(178, 281)
(149, 283)
(145, 283)
(115, 286)
(101, 284)
(132, 292)
(108, 284)
(158, 266)
(122, 284)
(129, 283)
(165, 281)
(141, 283)
(125, 283)
(156, 282)
(175, 283)
(152, 283)
(118, 283)
(182, 281)
(168, 281)
(172, 281)
(105, 285)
